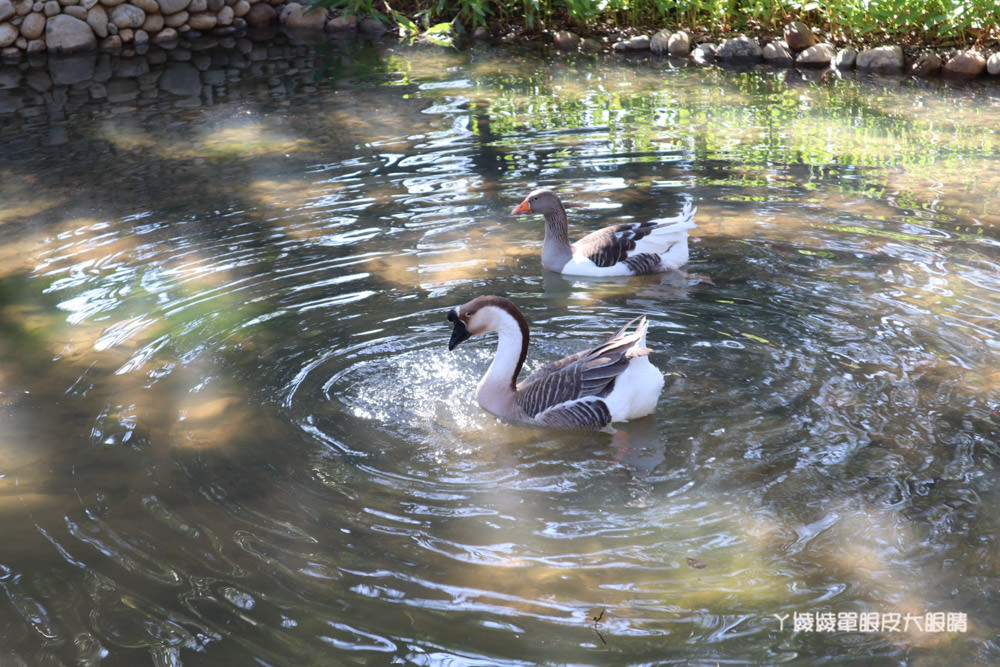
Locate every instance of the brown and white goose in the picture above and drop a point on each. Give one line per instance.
(609, 383)
(626, 249)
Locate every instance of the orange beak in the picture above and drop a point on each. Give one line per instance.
(523, 207)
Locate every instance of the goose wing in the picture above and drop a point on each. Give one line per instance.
(608, 246)
(568, 392)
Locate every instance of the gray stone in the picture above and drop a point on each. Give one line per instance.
(845, 58)
(165, 36)
(183, 80)
(340, 23)
(6, 9)
(679, 43)
(64, 34)
(97, 19)
(881, 59)
(168, 7)
(226, 16)
(111, 44)
(637, 43)
(927, 64)
(798, 36)
(739, 49)
(659, 42)
(993, 64)
(817, 55)
(52, 7)
(127, 16)
(33, 26)
(8, 34)
(965, 63)
(703, 53)
(564, 40)
(203, 21)
(777, 53)
(259, 15)
(154, 23)
(177, 20)
(76, 11)
(372, 26)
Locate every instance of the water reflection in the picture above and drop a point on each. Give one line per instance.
(230, 428)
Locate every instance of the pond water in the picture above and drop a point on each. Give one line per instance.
(231, 431)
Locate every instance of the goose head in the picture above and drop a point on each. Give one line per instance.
(482, 315)
(542, 201)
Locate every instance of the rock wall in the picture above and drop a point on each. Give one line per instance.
(68, 26)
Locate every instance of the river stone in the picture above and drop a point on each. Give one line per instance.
(703, 53)
(33, 26)
(176, 20)
(52, 7)
(564, 40)
(6, 9)
(147, 6)
(111, 44)
(740, 49)
(8, 34)
(372, 26)
(203, 21)
(965, 63)
(338, 23)
(927, 64)
(97, 19)
(658, 43)
(993, 64)
(817, 55)
(240, 8)
(679, 43)
(881, 59)
(165, 36)
(777, 53)
(798, 36)
(845, 58)
(226, 16)
(153, 23)
(76, 11)
(64, 34)
(591, 45)
(168, 7)
(127, 16)
(261, 14)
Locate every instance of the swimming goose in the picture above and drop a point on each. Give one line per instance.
(612, 382)
(626, 249)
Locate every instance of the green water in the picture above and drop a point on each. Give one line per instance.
(231, 432)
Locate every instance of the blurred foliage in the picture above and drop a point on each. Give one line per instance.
(924, 21)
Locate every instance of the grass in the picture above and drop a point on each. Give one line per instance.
(917, 22)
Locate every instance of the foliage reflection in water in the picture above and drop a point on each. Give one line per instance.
(230, 428)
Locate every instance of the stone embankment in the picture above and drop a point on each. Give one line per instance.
(73, 26)
(799, 46)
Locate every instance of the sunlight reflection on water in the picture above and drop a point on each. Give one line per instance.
(232, 431)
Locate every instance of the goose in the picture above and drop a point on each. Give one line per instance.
(626, 249)
(612, 382)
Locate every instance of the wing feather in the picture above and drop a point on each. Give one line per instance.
(569, 389)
